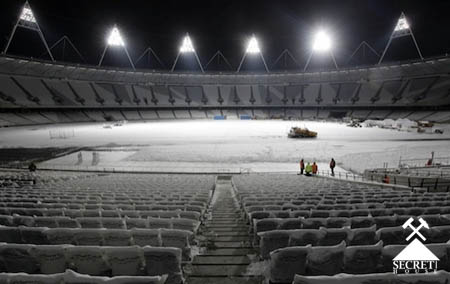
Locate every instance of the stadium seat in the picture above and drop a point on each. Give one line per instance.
(18, 258)
(88, 237)
(51, 258)
(362, 259)
(272, 240)
(10, 235)
(364, 236)
(146, 237)
(162, 261)
(177, 239)
(116, 237)
(286, 262)
(87, 260)
(125, 260)
(326, 260)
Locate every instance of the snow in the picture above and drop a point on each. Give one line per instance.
(232, 145)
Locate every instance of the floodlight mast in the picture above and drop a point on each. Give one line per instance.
(401, 29)
(28, 21)
(253, 48)
(187, 47)
(115, 39)
(322, 43)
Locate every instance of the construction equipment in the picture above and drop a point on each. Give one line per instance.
(297, 132)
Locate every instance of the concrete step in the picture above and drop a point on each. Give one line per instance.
(224, 280)
(219, 229)
(223, 270)
(229, 259)
(239, 244)
(226, 234)
(229, 251)
(221, 238)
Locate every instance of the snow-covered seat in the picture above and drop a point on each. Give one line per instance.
(124, 260)
(18, 258)
(259, 215)
(116, 237)
(362, 259)
(49, 222)
(146, 237)
(86, 260)
(338, 222)
(136, 223)
(441, 251)
(300, 213)
(334, 236)
(305, 237)
(190, 215)
(326, 260)
(90, 222)
(161, 261)
(72, 213)
(376, 212)
(362, 222)
(129, 213)
(440, 234)
(110, 213)
(88, 237)
(185, 224)
(272, 240)
(27, 221)
(441, 277)
(388, 253)
(385, 221)
(51, 258)
(6, 220)
(265, 225)
(320, 213)
(432, 210)
(91, 213)
(10, 235)
(314, 223)
(177, 239)
(286, 262)
(72, 277)
(54, 212)
(159, 223)
(31, 235)
(392, 235)
(21, 278)
(60, 236)
(113, 223)
(290, 224)
(364, 236)
(281, 213)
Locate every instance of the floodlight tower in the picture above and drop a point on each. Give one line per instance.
(186, 48)
(253, 49)
(322, 44)
(115, 40)
(401, 29)
(27, 20)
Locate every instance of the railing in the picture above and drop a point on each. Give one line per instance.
(341, 175)
(414, 182)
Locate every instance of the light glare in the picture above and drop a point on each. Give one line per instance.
(253, 46)
(27, 15)
(115, 39)
(322, 42)
(187, 46)
(402, 24)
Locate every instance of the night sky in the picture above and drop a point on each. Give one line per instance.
(227, 25)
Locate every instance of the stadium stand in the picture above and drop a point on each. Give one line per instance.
(64, 92)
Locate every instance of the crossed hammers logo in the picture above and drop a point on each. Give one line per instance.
(415, 231)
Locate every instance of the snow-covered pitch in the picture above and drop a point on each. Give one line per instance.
(260, 145)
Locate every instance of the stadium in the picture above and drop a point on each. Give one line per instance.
(311, 168)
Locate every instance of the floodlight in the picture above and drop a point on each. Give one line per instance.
(187, 46)
(322, 42)
(402, 24)
(253, 46)
(115, 39)
(27, 15)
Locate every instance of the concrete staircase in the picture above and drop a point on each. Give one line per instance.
(225, 245)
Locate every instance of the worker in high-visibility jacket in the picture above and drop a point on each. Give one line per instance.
(308, 169)
(314, 168)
